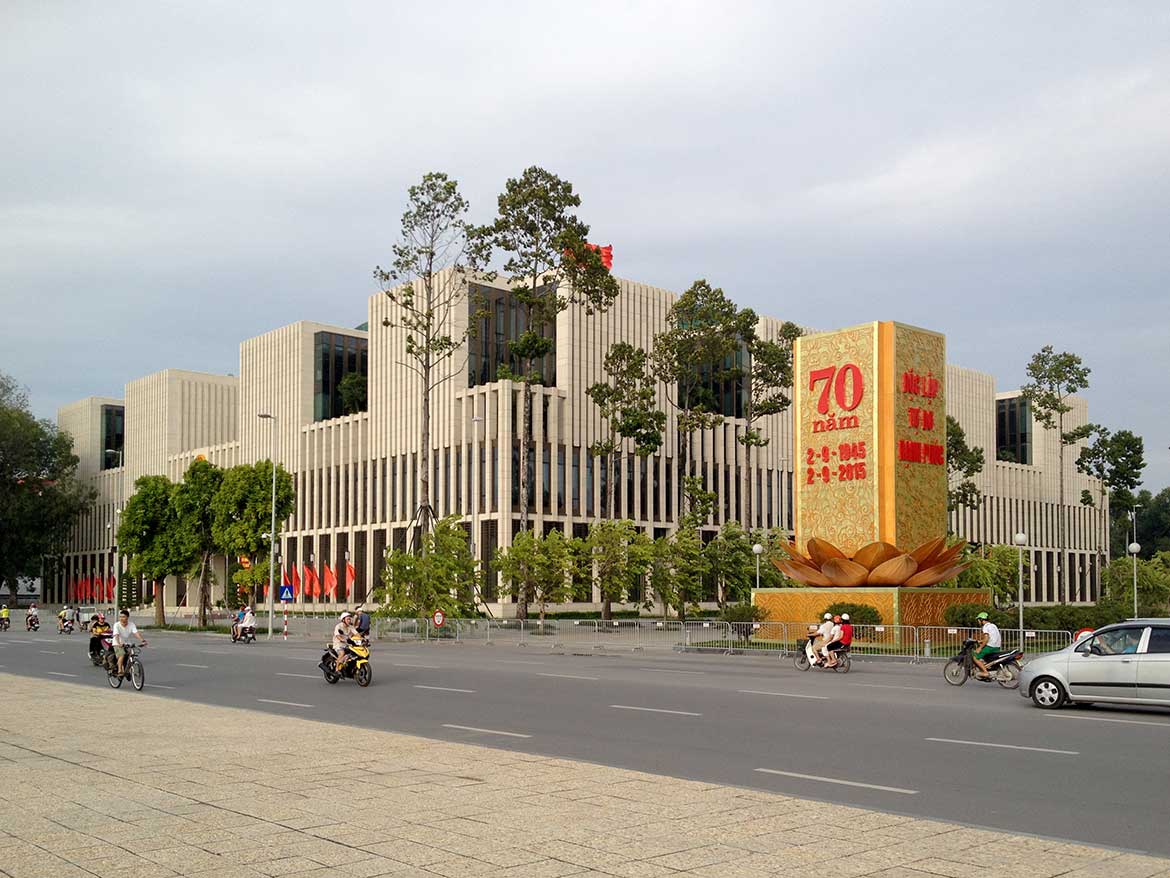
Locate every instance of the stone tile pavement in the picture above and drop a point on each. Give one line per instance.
(101, 783)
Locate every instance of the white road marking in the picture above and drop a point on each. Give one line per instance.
(1003, 746)
(408, 665)
(885, 686)
(844, 783)
(445, 689)
(781, 694)
(158, 686)
(485, 731)
(654, 710)
(60, 674)
(49, 652)
(568, 676)
(22, 640)
(517, 662)
(286, 703)
(670, 671)
(181, 665)
(1105, 719)
(303, 676)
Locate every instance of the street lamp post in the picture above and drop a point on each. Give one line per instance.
(757, 550)
(1134, 548)
(1021, 540)
(113, 526)
(272, 532)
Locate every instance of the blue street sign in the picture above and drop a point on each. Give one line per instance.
(286, 593)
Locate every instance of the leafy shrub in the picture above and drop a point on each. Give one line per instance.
(1062, 617)
(743, 613)
(859, 614)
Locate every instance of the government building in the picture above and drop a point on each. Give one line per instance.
(356, 473)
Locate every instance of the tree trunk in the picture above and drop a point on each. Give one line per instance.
(424, 482)
(525, 488)
(160, 614)
(606, 597)
(683, 472)
(1061, 555)
(204, 591)
(747, 466)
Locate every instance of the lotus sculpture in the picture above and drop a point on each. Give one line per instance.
(878, 563)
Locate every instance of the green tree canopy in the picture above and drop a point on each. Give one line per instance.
(194, 538)
(147, 536)
(441, 576)
(242, 515)
(963, 463)
(40, 498)
(621, 555)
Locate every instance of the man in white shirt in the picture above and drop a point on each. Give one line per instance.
(833, 636)
(990, 642)
(342, 631)
(124, 629)
(823, 633)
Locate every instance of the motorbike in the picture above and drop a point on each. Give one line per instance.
(32, 623)
(243, 635)
(66, 627)
(357, 668)
(1002, 668)
(3, 623)
(809, 658)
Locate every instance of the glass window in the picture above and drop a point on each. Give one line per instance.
(1119, 641)
(1159, 640)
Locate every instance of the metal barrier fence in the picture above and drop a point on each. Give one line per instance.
(701, 635)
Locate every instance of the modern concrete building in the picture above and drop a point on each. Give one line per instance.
(356, 475)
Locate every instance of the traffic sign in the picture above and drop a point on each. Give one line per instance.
(439, 618)
(286, 593)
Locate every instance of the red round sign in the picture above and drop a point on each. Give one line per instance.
(1084, 632)
(439, 618)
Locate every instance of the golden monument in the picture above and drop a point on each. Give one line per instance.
(869, 413)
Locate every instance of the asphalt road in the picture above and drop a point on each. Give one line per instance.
(889, 736)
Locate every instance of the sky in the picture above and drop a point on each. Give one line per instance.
(176, 177)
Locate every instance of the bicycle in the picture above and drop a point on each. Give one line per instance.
(133, 670)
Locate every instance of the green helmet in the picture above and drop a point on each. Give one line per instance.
(982, 616)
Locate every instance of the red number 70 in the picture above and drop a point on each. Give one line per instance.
(845, 402)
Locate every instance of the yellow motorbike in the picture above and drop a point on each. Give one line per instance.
(357, 666)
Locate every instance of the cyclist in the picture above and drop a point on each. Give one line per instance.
(123, 631)
(990, 642)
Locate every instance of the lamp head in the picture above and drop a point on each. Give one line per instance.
(1020, 539)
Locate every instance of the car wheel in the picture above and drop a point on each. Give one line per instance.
(1048, 693)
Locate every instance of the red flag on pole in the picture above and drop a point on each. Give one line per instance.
(350, 576)
(312, 583)
(330, 582)
(111, 585)
(296, 582)
(83, 596)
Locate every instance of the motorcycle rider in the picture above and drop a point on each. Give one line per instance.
(4, 615)
(362, 620)
(342, 631)
(247, 621)
(843, 641)
(62, 615)
(822, 636)
(990, 642)
(833, 638)
(31, 615)
(98, 629)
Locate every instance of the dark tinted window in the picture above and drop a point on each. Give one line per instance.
(1159, 640)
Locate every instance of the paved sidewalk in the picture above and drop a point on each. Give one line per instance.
(106, 783)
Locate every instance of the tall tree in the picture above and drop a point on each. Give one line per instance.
(242, 517)
(731, 560)
(429, 283)
(550, 266)
(1116, 460)
(1054, 378)
(554, 570)
(620, 555)
(963, 463)
(440, 577)
(766, 380)
(628, 404)
(193, 499)
(692, 356)
(147, 536)
(40, 498)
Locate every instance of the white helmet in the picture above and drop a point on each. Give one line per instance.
(346, 615)
(247, 609)
(844, 617)
(828, 617)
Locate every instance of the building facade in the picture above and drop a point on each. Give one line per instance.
(357, 475)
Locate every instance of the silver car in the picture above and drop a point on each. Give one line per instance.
(1125, 663)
